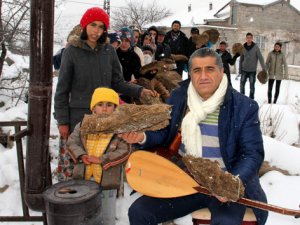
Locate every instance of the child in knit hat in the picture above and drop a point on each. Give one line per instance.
(114, 39)
(99, 157)
(129, 60)
(126, 34)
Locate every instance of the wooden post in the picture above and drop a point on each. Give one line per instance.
(38, 173)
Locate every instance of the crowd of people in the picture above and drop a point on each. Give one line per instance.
(98, 70)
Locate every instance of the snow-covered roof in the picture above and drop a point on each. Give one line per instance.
(256, 2)
(187, 19)
(223, 12)
(199, 16)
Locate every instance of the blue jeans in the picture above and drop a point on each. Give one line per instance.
(252, 78)
(151, 211)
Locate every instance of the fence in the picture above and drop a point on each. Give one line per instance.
(17, 137)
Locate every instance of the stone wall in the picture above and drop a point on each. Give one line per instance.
(274, 16)
(294, 72)
(277, 22)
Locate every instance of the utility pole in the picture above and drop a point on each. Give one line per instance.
(107, 6)
(38, 173)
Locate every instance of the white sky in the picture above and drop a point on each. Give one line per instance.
(70, 13)
(175, 6)
(79, 6)
(281, 190)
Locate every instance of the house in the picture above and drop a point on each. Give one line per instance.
(269, 21)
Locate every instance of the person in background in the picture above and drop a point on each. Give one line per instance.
(275, 64)
(226, 59)
(129, 60)
(163, 50)
(136, 48)
(191, 43)
(136, 36)
(178, 43)
(58, 55)
(57, 58)
(153, 32)
(248, 64)
(145, 39)
(217, 123)
(89, 62)
(148, 54)
(101, 154)
(114, 39)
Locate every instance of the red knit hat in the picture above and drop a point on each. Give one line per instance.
(94, 14)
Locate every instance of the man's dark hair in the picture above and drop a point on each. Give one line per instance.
(205, 52)
(152, 28)
(176, 21)
(102, 38)
(249, 34)
(223, 43)
(194, 30)
(278, 43)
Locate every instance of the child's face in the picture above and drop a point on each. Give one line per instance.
(125, 45)
(136, 36)
(147, 40)
(104, 108)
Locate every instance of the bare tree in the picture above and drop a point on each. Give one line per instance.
(15, 25)
(3, 47)
(138, 15)
(14, 28)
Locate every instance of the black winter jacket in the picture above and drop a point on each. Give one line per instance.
(227, 59)
(179, 46)
(130, 62)
(84, 69)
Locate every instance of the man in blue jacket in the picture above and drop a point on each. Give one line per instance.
(218, 123)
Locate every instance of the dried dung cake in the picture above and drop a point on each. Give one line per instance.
(164, 72)
(209, 174)
(262, 76)
(237, 48)
(154, 84)
(213, 35)
(169, 79)
(158, 66)
(149, 100)
(127, 118)
(179, 57)
(200, 40)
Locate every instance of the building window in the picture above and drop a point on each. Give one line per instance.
(260, 41)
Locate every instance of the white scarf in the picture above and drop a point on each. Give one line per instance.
(191, 133)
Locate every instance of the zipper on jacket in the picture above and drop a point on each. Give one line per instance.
(275, 64)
